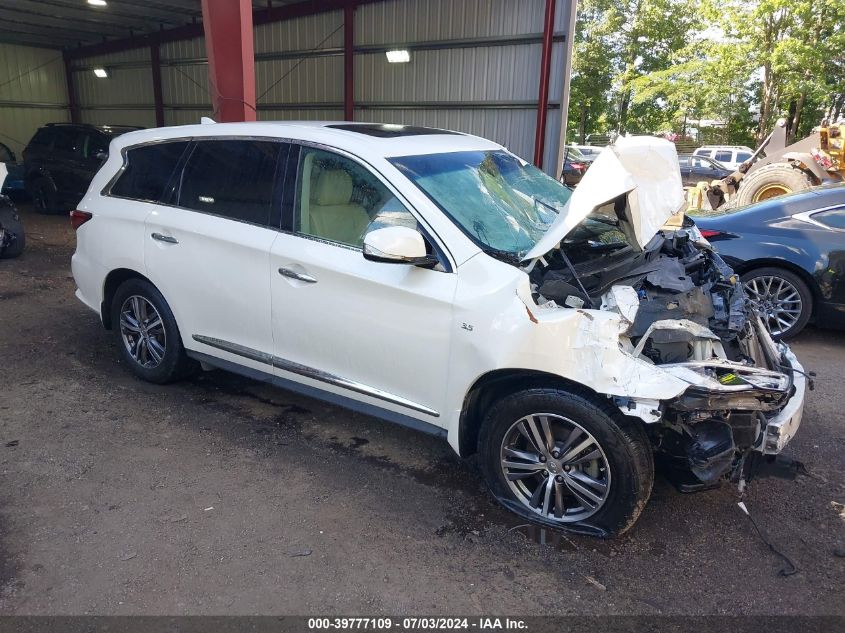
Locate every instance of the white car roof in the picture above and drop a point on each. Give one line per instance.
(372, 139)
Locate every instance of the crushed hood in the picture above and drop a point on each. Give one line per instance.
(645, 169)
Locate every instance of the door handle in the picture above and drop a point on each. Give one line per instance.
(164, 238)
(292, 274)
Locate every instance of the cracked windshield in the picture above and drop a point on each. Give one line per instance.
(503, 204)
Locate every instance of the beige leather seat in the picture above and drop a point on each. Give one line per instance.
(332, 214)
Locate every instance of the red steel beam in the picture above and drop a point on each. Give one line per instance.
(349, 60)
(72, 106)
(545, 72)
(155, 59)
(231, 58)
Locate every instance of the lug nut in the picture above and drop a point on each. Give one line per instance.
(542, 458)
(556, 454)
(559, 479)
(567, 468)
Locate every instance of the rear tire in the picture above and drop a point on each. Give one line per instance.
(770, 181)
(770, 289)
(147, 334)
(44, 196)
(11, 222)
(615, 464)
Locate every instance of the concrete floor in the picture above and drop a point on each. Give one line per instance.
(221, 495)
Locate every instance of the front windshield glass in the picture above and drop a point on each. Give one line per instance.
(503, 204)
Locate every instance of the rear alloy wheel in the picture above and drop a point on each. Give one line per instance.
(142, 331)
(43, 197)
(781, 298)
(563, 459)
(147, 333)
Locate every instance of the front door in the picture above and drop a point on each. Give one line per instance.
(377, 333)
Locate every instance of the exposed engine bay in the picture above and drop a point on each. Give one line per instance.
(687, 313)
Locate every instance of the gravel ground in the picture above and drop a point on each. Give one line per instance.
(220, 495)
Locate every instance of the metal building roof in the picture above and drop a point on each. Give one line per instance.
(72, 23)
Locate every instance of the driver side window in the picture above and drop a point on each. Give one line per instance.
(337, 199)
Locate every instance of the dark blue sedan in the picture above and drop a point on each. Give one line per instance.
(790, 254)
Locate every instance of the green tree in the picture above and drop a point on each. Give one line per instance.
(616, 43)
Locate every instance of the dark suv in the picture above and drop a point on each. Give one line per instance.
(61, 160)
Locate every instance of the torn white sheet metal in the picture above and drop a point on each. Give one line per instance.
(624, 300)
(706, 346)
(645, 169)
(4, 171)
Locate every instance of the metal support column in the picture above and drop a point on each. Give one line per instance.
(231, 58)
(155, 58)
(73, 108)
(570, 14)
(349, 60)
(545, 72)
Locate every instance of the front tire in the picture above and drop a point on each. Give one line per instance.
(147, 334)
(561, 459)
(11, 222)
(771, 181)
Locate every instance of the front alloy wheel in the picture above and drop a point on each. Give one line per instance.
(566, 459)
(555, 467)
(142, 331)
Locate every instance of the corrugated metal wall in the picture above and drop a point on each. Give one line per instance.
(32, 92)
(125, 97)
(474, 67)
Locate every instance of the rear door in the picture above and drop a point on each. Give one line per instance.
(61, 161)
(208, 249)
(82, 164)
(377, 333)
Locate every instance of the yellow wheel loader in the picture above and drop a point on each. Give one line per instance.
(777, 168)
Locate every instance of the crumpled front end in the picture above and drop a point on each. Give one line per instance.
(687, 316)
(746, 391)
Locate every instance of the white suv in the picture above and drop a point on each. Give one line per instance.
(731, 156)
(436, 280)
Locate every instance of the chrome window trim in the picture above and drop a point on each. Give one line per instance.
(310, 372)
(807, 216)
(106, 191)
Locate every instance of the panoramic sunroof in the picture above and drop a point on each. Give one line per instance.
(388, 130)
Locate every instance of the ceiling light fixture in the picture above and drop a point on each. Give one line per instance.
(398, 57)
(97, 3)
(102, 73)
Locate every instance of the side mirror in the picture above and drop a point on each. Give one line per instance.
(397, 245)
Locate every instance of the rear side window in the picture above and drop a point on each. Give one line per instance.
(741, 157)
(42, 138)
(834, 218)
(147, 170)
(231, 178)
(94, 143)
(67, 140)
(724, 157)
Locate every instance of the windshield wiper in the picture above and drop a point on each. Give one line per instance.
(537, 201)
(503, 256)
